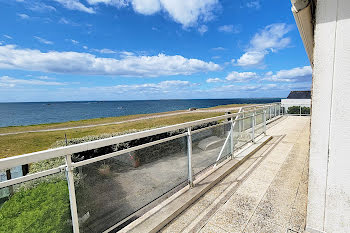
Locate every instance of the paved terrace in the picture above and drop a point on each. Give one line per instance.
(267, 193)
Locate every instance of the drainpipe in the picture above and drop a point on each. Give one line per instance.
(303, 11)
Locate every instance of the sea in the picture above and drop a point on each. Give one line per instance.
(20, 114)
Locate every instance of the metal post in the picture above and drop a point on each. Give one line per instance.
(243, 122)
(300, 110)
(253, 127)
(232, 146)
(72, 198)
(265, 122)
(239, 125)
(275, 110)
(189, 156)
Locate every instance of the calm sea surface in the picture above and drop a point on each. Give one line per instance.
(12, 114)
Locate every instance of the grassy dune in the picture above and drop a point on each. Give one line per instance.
(30, 142)
(23, 143)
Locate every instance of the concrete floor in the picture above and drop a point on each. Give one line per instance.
(267, 193)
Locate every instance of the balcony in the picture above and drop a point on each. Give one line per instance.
(237, 171)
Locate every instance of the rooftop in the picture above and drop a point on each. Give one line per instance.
(299, 95)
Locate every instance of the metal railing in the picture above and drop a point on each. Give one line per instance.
(303, 110)
(241, 128)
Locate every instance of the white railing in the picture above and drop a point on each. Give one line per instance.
(248, 122)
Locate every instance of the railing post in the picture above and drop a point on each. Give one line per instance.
(253, 127)
(243, 121)
(189, 156)
(270, 112)
(72, 198)
(275, 110)
(232, 145)
(300, 110)
(264, 121)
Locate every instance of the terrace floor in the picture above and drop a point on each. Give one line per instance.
(267, 193)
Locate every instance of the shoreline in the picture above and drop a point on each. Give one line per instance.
(28, 142)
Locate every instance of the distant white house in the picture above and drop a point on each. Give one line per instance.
(297, 98)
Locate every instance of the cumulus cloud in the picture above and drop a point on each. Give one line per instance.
(271, 39)
(241, 77)
(6, 81)
(12, 57)
(186, 12)
(298, 74)
(229, 29)
(251, 58)
(189, 12)
(214, 80)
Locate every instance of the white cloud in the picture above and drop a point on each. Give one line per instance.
(241, 77)
(85, 63)
(229, 29)
(8, 37)
(254, 4)
(76, 5)
(202, 29)
(116, 3)
(105, 51)
(46, 78)
(251, 58)
(298, 74)
(169, 86)
(214, 80)
(189, 12)
(270, 39)
(110, 51)
(218, 49)
(39, 6)
(146, 7)
(186, 12)
(42, 40)
(23, 16)
(6, 81)
(74, 41)
(67, 21)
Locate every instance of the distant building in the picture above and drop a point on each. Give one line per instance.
(297, 98)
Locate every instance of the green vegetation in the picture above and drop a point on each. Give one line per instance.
(40, 208)
(43, 206)
(78, 123)
(17, 144)
(296, 110)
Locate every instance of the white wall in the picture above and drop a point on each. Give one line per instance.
(329, 174)
(295, 102)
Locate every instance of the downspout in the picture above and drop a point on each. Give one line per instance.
(303, 11)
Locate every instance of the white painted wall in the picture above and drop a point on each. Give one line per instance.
(329, 174)
(295, 102)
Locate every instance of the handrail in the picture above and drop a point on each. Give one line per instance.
(18, 160)
(67, 151)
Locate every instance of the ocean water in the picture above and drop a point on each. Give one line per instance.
(15, 114)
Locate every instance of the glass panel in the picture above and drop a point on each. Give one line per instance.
(242, 132)
(207, 144)
(41, 205)
(108, 191)
(259, 123)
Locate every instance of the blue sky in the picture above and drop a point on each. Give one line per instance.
(62, 50)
